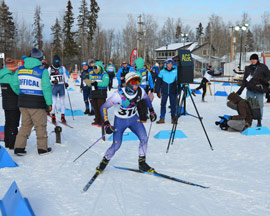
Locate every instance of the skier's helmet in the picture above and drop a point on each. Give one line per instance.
(132, 76)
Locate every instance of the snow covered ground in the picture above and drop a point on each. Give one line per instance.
(237, 171)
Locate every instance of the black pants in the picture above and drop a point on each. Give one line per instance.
(12, 119)
(142, 110)
(97, 103)
(111, 76)
(203, 86)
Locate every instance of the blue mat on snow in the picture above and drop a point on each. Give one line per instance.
(165, 134)
(5, 159)
(221, 93)
(253, 131)
(2, 128)
(13, 204)
(70, 89)
(127, 136)
(75, 112)
(226, 84)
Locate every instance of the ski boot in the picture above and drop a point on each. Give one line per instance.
(259, 123)
(193, 93)
(53, 119)
(143, 166)
(102, 165)
(63, 120)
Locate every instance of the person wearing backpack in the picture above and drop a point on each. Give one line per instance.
(256, 80)
(244, 118)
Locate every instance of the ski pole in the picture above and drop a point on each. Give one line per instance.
(69, 101)
(90, 147)
(149, 131)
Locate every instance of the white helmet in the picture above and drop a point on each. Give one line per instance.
(132, 75)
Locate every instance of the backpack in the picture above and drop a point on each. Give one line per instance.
(254, 106)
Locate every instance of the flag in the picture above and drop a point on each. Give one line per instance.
(263, 57)
(133, 57)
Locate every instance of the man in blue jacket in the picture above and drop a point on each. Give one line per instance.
(166, 87)
(122, 73)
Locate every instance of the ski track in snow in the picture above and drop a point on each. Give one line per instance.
(237, 171)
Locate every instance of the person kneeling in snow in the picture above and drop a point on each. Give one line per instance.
(244, 118)
(125, 101)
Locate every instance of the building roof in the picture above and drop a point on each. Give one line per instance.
(198, 58)
(173, 46)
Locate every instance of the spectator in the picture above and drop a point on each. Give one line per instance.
(10, 101)
(124, 69)
(34, 98)
(166, 87)
(244, 118)
(256, 78)
(111, 72)
(86, 90)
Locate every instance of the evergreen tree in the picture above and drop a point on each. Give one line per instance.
(249, 41)
(199, 31)
(92, 19)
(208, 32)
(178, 33)
(7, 29)
(57, 38)
(38, 27)
(83, 24)
(70, 46)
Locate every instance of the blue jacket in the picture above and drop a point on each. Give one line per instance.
(146, 79)
(166, 81)
(122, 72)
(85, 75)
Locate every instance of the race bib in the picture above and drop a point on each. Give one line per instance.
(59, 78)
(125, 112)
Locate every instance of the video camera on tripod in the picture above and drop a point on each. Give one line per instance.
(185, 75)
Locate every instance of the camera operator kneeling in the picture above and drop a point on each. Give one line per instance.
(244, 118)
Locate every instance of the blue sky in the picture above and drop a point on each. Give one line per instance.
(113, 13)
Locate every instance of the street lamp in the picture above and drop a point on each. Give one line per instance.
(79, 46)
(184, 36)
(242, 28)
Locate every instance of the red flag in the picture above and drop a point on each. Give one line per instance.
(263, 57)
(133, 57)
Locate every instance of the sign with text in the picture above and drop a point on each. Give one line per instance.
(185, 67)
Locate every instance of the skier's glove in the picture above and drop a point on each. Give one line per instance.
(95, 85)
(153, 115)
(109, 129)
(55, 82)
(66, 85)
(49, 108)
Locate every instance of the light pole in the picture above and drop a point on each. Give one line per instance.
(242, 28)
(79, 46)
(184, 36)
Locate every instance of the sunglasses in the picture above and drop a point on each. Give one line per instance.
(134, 82)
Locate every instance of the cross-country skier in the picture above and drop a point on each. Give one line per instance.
(58, 76)
(125, 101)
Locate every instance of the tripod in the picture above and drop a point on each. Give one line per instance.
(181, 102)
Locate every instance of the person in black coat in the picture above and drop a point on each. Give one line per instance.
(10, 102)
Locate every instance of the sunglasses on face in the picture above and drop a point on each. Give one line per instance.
(134, 82)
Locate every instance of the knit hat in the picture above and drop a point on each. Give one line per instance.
(254, 56)
(169, 60)
(84, 63)
(56, 61)
(13, 64)
(36, 53)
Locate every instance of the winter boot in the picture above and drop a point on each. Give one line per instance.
(102, 165)
(87, 111)
(44, 152)
(143, 166)
(63, 118)
(193, 93)
(92, 112)
(259, 123)
(53, 119)
(20, 151)
(161, 121)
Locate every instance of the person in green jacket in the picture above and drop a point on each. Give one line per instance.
(10, 101)
(111, 72)
(35, 98)
(99, 81)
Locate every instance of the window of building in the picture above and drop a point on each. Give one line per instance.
(204, 52)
